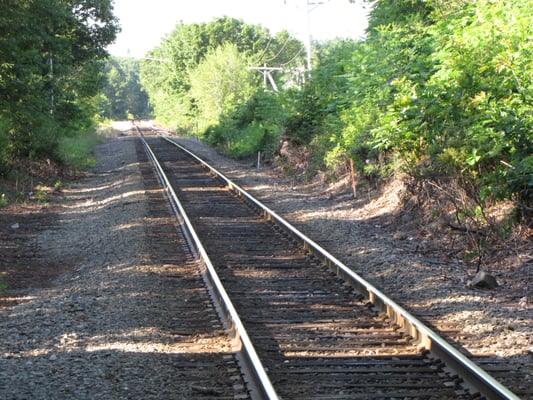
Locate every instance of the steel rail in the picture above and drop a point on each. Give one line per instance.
(259, 383)
(476, 379)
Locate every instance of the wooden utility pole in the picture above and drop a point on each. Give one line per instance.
(354, 182)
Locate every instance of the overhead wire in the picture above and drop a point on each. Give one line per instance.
(264, 51)
(292, 59)
(279, 52)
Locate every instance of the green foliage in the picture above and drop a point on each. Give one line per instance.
(166, 75)
(453, 97)
(3, 283)
(315, 109)
(256, 125)
(264, 107)
(32, 135)
(77, 151)
(485, 95)
(249, 140)
(50, 63)
(3, 200)
(436, 89)
(399, 12)
(220, 83)
(4, 143)
(123, 89)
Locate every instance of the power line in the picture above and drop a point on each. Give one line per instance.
(279, 52)
(264, 51)
(292, 59)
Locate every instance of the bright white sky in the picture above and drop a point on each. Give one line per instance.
(145, 22)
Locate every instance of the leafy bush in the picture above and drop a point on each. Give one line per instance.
(4, 143)
(485, 98)
(454, 97)
(214, 134)
(255, 137)
(220, 84)
(3, 283)
(259, 123)
(325, 95)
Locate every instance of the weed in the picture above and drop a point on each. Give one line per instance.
(3, 284)
(78, 151)
(40, 196)
(3, 200)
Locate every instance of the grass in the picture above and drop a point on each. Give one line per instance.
(78, 151)
(34, 180)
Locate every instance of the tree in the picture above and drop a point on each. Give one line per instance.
(485, 98)
(443, 88)
(399, 12)
(220, 83)
(127, 98)
(166, 73)
(50, 61)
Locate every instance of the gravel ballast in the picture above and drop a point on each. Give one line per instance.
(100, 328)
(112, 325)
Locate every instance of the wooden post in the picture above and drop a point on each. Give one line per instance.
(354, 183)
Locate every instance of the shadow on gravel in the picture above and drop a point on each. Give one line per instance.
(126, 315)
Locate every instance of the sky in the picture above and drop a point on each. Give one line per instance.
(145, 22)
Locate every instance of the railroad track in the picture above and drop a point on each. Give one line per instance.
(307, 327)
(204, 366)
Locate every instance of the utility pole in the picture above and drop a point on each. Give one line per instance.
(267, 75)
(309, 37)
(52, 100)
(311, 5)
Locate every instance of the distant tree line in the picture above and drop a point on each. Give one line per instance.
(125, 98)
(438, 90)
(51, 72)
(203, 79)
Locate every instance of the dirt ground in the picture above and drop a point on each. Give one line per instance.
(100, 280)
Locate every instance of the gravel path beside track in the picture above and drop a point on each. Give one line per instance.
(114, 326)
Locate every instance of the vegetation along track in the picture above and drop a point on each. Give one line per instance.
(317, 334)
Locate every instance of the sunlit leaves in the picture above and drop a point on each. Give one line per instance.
(485, 76)
(166, 74)
(220, 83)
(449, 82)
